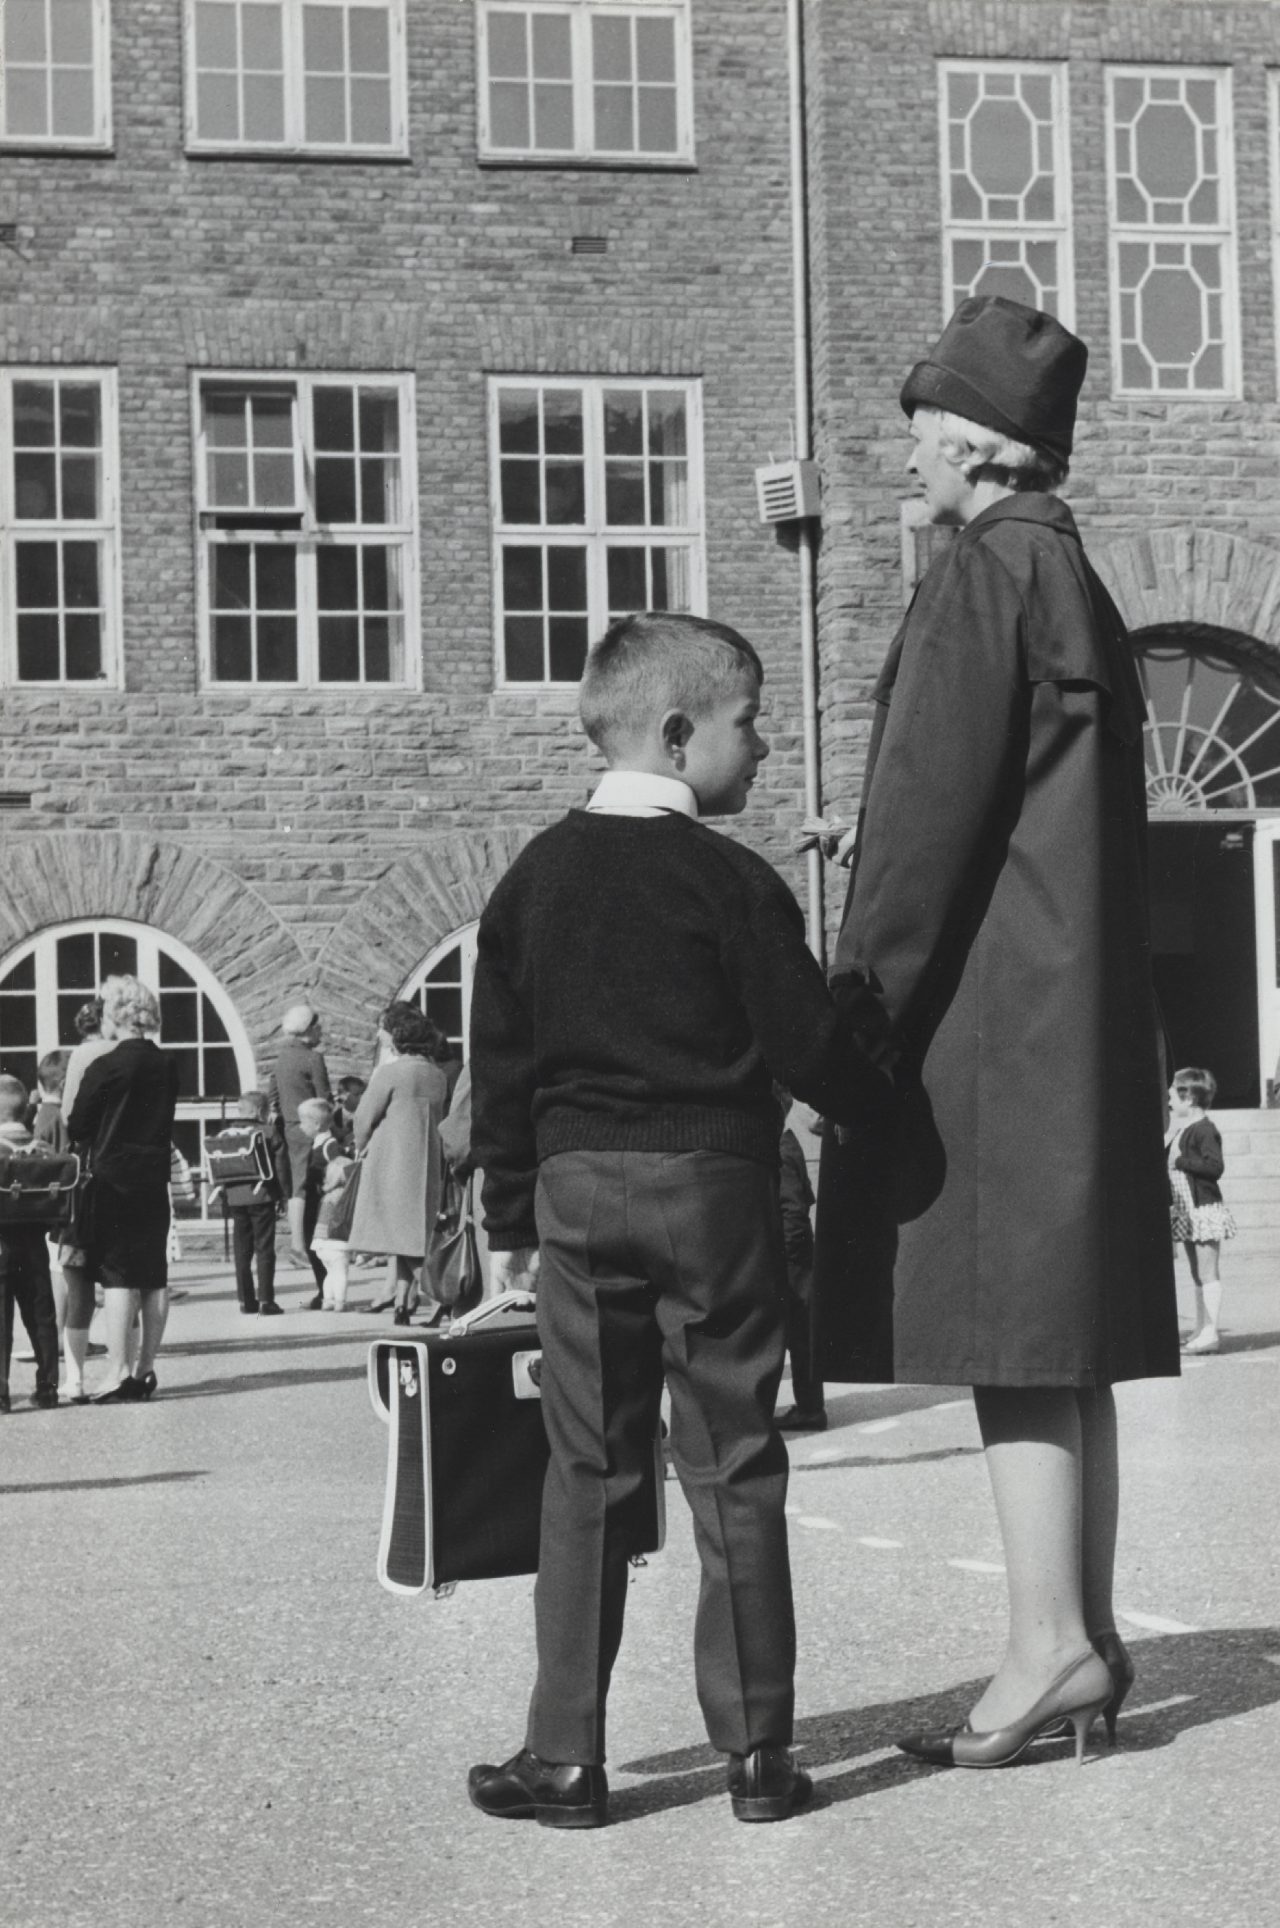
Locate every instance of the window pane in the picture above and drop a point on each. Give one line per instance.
(38, 658)
(624, 493)
(611, 49)
(370, 40)
(230, 574)
(77, 962)
(371, 112)
(562, 411)
(232, 649)
(35, 480)
(79, 415)
(379, 492)
(262, 43)
(217, 107)
(23, 975)
(221, 1076)
(624, 421)
(566, 578)
(379, 422)
(552, 54)
(24, 31)
(326, 110)
(212, 1025)
(277, 649)
(655, 50)
(521, 501)
(322, 39)
(275, 575)
(18, 1021)
(667, 424)
(37, 575)
(215, 34)
(380, 578)
(80, 574)
(84, 647)
(657, 107)
(509, 114)
(553, 118)
(273, 481)
(518, 421)
(117, 954)
(336, 579)
(668, 493)
(33, 416)
(568, 636)
(628, 590)
(334, 417)
(335, 489)
(179, 1017)
(263, 108)
(522, 578)
(381, 650)
(339, 649)
(71, 108)
(272, 421)
(79, 488)
(615, 130)
(71, 32)
(172, 974)
(508, 45)
(229, 481)
(566, 498)
(522, 637)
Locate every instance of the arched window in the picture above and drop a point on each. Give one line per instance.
(1213, 720)
(44, 982)
(441, 984)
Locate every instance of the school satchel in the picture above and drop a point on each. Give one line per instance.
(343, 1215)
(37, 1186)
(237, 1162)
(451, 1268)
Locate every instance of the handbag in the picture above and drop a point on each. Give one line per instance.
(451, 1269)
(342, 1217)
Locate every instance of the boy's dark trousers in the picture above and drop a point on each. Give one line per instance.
(654, 1262)
(253, 1236)
(24, 1281)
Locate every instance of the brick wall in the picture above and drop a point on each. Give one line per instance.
(161, 264)
(1167, 474)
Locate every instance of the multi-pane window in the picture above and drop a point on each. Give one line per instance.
(58, 535)
(441, 986)
(1172, 231)
(585, 80)
(1006, 184)
(46, 981)
(296, 74)
(55, 73)
(305, 500)
(598, 513)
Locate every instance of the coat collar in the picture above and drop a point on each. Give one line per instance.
(1031, 506)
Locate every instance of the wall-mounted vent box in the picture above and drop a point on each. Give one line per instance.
(789, 491)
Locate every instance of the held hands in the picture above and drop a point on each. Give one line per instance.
(833, 836)
(515, 1271)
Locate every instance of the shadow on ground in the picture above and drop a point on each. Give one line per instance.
(98, 1485)
(1184, 1681)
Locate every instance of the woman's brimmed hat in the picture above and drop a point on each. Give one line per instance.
(1008, 367)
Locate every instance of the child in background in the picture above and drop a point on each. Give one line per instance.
(315, 1117)
(72, 1284)
(24, 1270)
(350, 1091)
(253, 1207)
(1197, 1214)
(332, 1252)
(795, 1193)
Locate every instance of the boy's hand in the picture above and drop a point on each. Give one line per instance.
(831, 835)
(515, 1271)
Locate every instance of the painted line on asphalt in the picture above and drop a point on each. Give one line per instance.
(828, 1452)
(1156, 1706)
(877, 1426)
(819, 1525)
(949, 1405)
(976, 1566)
(1154, 1622)
(869, 1539)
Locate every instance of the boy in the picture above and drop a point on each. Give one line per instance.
(639, 978)
(24, 1270)
(253, 1207)
(350, 1091)
(315, 1119)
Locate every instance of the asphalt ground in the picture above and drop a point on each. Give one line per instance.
(212, 1715)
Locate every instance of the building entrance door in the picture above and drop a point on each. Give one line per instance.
(1205, 944)
(1266, 874)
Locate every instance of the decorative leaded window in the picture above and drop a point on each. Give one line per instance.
(55, 75)
(1172, 237)
(299, 75)
(1006, 184)
(597, 80)
(441, 986)
(597, 496)
(58, 526)
(306, 512)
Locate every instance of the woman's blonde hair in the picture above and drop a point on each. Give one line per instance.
(130, 1006)
(986, 452)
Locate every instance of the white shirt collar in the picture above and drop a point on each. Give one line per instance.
(636, 793)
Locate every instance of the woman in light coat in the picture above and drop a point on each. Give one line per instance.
(397, 1130)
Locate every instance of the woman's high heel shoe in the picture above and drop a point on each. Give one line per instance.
(145, 1386)
(1080, 1693)
(1120, 1667)
(401, 1315)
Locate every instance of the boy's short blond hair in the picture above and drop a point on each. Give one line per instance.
(13, 1098)
(648, 664)
(314, 1114)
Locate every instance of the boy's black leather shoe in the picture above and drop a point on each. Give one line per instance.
(766, 1784)
(556, 1795)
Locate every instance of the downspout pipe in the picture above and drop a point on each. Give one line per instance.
(804, 451)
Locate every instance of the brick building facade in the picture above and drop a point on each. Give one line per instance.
(357, 360)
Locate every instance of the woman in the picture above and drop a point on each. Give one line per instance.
(124, 1110)
(998, 911)
(397, 1129)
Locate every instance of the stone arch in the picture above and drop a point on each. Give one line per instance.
(57, 878)
(1193, 576)
(416, 903)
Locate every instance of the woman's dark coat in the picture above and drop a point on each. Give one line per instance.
(124, 1111)
(1002, 1217)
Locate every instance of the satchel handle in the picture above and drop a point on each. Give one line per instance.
(505, 1304)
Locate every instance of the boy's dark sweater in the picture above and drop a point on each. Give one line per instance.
(640, 983)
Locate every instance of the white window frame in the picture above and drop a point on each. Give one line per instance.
(463, 941)
(585, 152)
(100, 138)
(1223, 232)
(1059, 231)
(593, 533)
(205, 1111)
(294, 140)
(105, 531)
(309, 536)
(1273, 135)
